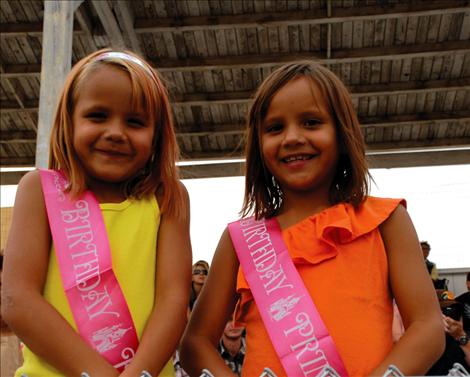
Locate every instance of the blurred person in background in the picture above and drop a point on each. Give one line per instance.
(200, 271)
(432, 269)
(457, 348)
(232, 346)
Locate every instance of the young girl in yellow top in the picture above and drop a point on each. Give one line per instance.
(113, 135)
(306, 168)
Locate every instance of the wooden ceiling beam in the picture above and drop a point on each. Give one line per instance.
(426, 158)
(419, 86)
(11, 30)
(86, 24)
(392, 120)
(15, 109)
(417, 146)
(126, 19)
(15, 89)
(21, 70)
(8, 106)
(8, 137)
(109, 22)
(338, 56)
(17, 161)
(316, 16)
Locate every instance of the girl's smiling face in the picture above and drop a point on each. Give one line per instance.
(112, 139)
(298, 139)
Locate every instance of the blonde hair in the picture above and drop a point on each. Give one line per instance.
(160, 174)
(263, 196)
(201, 263)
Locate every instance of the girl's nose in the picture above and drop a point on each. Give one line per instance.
(293, 135)
(115, 130)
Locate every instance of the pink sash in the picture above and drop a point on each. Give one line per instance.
(84, 258)
(298, 334)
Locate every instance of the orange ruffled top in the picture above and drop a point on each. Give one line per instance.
(341, 258)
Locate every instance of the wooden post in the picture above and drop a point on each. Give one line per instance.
(56, 63)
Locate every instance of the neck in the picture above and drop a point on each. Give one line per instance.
(299, 205)
(232, 345)
(106, 192)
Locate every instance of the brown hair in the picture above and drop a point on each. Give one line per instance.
(160, 174)
(263, 196)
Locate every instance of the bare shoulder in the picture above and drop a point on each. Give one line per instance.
(184, 192)
(398, 234)
(30, 191)
(29, 201)
(183, 197)
(398, 220)
(225, 242)
(29, 238)
(30, 181)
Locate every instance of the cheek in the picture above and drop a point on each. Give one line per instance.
(268, 152)
(147, 142)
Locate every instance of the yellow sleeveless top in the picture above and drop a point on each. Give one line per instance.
(132, 228)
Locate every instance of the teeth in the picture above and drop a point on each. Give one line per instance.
(296, 158)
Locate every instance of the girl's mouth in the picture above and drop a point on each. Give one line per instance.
(112, 153)
(300, 157)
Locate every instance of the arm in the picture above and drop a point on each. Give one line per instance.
(173, 278)
(423, 340)
(214, 305)
(455, 330)
(30, 316)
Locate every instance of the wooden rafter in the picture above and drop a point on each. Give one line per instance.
(419, 87)
(109, 22)
(339, 56)
(192, 60)
(86, 25)
(27, 28)
(318, 16)
(127, 21)
(15, 90)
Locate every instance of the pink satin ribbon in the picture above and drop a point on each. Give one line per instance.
(292, 321)
(84, 258)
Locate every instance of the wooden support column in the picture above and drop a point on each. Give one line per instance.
(56, 63)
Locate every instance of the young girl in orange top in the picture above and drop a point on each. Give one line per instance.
(306, 168)
(113, 135)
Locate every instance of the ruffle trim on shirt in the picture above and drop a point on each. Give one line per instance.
(322, 232)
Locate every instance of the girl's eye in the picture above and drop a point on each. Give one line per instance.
(96, 116)
(273, 128)
(312, 122)
(136, 122)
